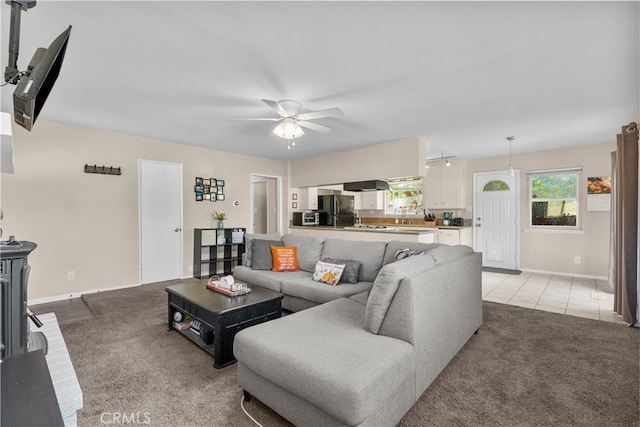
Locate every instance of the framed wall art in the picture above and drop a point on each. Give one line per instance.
(210, 189)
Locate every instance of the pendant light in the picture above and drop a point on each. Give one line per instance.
(511, 171)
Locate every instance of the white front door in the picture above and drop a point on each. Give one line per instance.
(496, 219)
(160, 221)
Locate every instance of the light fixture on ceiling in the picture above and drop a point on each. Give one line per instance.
(442, 158)
(291, 121)
(511, 171)
(288, 129)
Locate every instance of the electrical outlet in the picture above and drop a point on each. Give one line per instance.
(576, 260)
(71, 275)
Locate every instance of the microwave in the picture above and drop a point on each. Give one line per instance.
(306, 218)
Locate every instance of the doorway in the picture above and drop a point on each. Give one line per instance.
(496, 218)
(265, 203)
(160, 205)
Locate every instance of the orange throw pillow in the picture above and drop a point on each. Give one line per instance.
(284, 258)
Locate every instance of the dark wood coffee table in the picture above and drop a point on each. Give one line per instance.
(211, 319)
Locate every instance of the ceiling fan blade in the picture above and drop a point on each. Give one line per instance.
(314, 126)
(277, 107)
(264, 118)
(331, 112)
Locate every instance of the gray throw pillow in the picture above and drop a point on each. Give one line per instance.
(248, 238)
(351, 271)
(261, 258)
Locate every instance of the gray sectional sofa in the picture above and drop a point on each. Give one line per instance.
(359, 353)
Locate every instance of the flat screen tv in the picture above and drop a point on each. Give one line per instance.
(34, 87)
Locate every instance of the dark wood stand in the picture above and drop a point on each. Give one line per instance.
(219, 317)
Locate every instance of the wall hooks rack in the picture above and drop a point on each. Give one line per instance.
(104, 170)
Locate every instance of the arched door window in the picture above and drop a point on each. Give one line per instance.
(496, 185)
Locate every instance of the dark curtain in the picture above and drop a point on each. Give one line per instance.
(623, 278)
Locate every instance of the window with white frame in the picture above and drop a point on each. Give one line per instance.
(554, 198)
(404, 197)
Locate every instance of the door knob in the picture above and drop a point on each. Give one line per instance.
(177, 229)
(478, 225)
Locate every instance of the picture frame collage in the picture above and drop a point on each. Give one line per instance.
(209, 189)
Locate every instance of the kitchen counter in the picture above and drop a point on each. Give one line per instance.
(425, 235)
(452, 235)
(400, 229)
(394, 229)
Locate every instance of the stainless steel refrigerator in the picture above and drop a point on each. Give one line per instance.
(339, 210)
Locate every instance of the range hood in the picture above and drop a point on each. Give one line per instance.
(373, 185)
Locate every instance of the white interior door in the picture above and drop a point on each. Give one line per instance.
(160, 221)
(496, 219)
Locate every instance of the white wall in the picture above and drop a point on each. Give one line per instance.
(554, 252)
(397, 159)
(88, 223)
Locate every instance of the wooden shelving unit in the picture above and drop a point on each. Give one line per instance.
(217, 251)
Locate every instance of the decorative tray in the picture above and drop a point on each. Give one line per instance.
(211, 284)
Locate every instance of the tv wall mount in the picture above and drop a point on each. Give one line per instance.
(34, 85)
(11, 73)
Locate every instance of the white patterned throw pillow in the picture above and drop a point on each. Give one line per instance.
(328, 273)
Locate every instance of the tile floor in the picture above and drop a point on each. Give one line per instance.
(559, 294)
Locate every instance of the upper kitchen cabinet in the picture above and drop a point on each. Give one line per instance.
(369, 200)
(308, 198)
(444, 186)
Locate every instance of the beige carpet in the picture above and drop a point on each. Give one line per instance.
(524, 368)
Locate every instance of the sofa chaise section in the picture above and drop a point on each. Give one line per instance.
(325, 357)
(366, 360)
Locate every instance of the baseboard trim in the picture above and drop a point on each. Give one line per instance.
(562, 273)
(62, 297)
(501, 270)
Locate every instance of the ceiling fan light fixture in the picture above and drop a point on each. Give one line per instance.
(288, 129)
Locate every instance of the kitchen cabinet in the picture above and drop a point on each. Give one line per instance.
(444, 186)
(370, 200)
(308, 198)
(455, 236)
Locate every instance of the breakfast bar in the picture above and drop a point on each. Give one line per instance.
(381, 232)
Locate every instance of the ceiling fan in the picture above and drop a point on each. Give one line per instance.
(292, 121)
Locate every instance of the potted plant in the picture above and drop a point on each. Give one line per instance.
(220, 216)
